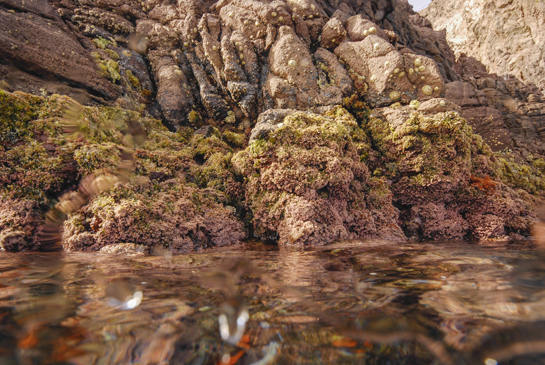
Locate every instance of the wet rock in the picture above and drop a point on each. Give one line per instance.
(127, 249)
(453, 192)
(19, 225)
(13, 241)
(181, 192)
(307, 183)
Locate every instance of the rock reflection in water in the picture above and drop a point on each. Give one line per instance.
(357, 302)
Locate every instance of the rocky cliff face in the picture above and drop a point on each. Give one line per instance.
(500, 56)
(301, 122)
(504, 35)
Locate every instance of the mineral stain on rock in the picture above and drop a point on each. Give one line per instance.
(299, 122)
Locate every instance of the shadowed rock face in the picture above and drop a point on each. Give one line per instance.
(301, 122)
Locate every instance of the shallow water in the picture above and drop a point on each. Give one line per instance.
(368, 302)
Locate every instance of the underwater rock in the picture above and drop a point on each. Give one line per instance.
(127, 249)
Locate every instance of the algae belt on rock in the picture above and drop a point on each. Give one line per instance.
(305, 178)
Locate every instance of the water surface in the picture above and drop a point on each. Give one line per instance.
(359, 302)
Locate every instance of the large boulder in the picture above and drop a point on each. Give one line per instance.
(307, 181)
(445, 177)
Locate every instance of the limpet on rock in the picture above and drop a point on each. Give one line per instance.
(423, 77)
(414, 104)
(281, 18)
(373, 78)
(231, 14)
(257, 24)
(396, 70)
(214, 48)
(372, 30)
(442, 103)
(436, 88)
(246, 22)
(401, 74)
(411, 71)
(417, 62)
(422, 68)
(292, 63)
(394, 95)
(366, 32)
(273, 14)
(387, 63)
(310, 16)
(426, 89)
(312, 7)
(376, 46)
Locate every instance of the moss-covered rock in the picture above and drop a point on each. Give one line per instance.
(307, 182)
(445, 178)
(522, 175)
(48, 145)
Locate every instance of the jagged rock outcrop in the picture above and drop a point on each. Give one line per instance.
(301, 122)
(308, 183)
(221, 63)
(180, 192)
(505, 35)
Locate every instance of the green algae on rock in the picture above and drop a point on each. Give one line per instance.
(307, 182)
(39, 162)
(445, 178)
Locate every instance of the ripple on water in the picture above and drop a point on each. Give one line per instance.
(351, 303)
